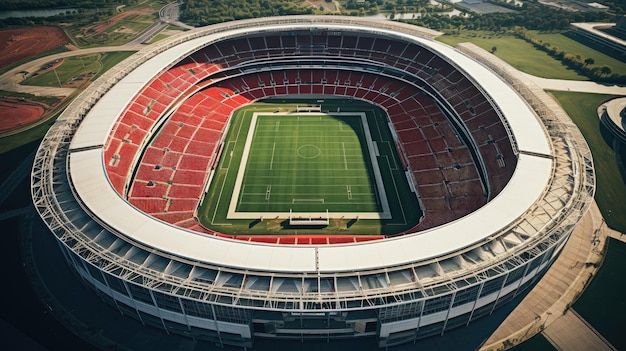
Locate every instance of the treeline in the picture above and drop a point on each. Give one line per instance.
(531, 16)
(77, 17)
(384, 5)
(616, 6)
(205, 12)
(48, 4)
(583, 65)
(391, 7)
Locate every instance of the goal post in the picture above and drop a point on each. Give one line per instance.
(308, 219)
(308, 108)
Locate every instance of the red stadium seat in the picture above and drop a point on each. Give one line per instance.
(186, 142)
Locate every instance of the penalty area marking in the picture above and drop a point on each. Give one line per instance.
(299, 201)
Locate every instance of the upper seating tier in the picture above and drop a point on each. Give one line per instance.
(185, 145)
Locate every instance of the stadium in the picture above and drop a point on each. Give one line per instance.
(310, 178)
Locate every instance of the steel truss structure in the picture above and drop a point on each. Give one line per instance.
(395, 303)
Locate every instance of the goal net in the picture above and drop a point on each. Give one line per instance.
(313, 219)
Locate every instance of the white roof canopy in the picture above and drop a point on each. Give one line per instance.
(90, 182)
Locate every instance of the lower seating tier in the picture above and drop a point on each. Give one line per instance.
(172, 172)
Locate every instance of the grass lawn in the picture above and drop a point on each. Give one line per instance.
(110, 59)
(106, 61)
(120, 33)
(307, 163)
(158, 37)
(56, 50)
(610, 189)
(49, 100)
(517, 53)
(91, 66)
(71, 68)
(574, 47)
(602, 304)
(11, 142)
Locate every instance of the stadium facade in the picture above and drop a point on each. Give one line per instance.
(535, 182)
(612, 115)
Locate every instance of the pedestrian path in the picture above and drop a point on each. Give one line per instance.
(552, 297)
(572, 333)
(577, 85)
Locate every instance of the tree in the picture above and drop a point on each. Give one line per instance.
(605, 70)
(595, 71)
(589, 61)
(493, 49)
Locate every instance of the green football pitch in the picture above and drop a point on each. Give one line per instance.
(277, 162)
(307, 163)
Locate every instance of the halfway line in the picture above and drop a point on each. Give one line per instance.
(272, 160)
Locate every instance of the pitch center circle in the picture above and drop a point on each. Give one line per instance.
(309, 151)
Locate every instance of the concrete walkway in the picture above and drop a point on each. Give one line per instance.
(576, 85)
(552, 297)
(572, 333)
(617, 235)
(10, 80)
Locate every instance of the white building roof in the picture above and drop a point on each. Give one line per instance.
(591, 27)
(527, 128)
(89, 179)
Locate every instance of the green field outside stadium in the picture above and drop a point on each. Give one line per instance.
(342, 161)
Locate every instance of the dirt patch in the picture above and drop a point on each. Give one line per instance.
(16, 113)
(18, 44)
(49, 66)
(101, 27)
(75, 82)
(79, 80)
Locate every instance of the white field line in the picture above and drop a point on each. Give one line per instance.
(272, 160)
(256, 215)
(375, 215)
(295, 201)
(395, 187)
(242, 165)
(219, 197)
(345, 158)
(395, 165)
(376, 121)
(261, 177)
(243, 190)
(379, 189)
(376, 151)
(382, 195)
